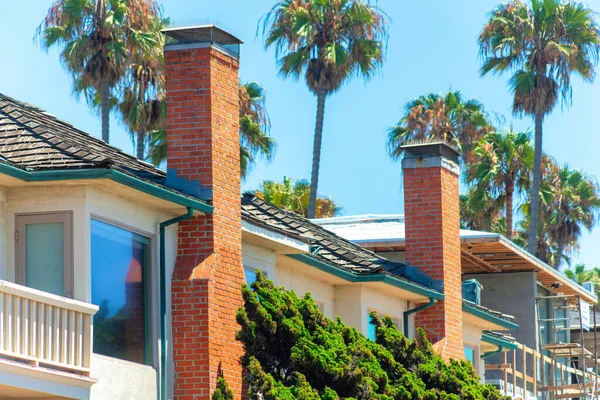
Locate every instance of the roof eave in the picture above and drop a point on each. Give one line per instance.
(354, 278)
(499, 342)
(489, 317)
(103, 173)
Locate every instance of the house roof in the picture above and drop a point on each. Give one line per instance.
(326, 246)
(497, 339)
(482, 252)
(502, 321)
(35, 143)
(380, 228)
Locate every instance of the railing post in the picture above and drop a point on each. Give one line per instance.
(514, 370)
(524, 361)
(534, 373)
(505, 374)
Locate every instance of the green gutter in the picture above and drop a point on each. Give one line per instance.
(488, 317)
(492, 353)
(116, 176)
(414, 310)
(505, 344)
(163, 300)
(385, 278)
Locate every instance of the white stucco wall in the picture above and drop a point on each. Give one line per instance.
(353, 303)
(86, 202)
(122, 380)
(301, 282)
(258, 257)
(472, 337)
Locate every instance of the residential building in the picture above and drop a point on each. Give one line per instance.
(121, 281)
(511, 278)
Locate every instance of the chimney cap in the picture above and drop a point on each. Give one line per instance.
(203, 35)
(431, 148)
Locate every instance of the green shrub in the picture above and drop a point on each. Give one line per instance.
(222, 392)
(292, 351)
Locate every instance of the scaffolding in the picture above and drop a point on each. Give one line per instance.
(580, 379)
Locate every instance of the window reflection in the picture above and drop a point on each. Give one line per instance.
(120, 265)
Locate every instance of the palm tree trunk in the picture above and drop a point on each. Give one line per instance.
(509, 210)
(314, 178)
(560, 248)
(535, 189)
(140, 145)
(105, 104)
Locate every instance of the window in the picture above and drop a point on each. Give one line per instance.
(250, 276)
(470, 354)
(371, 329)
(120, 272)
(44, 244)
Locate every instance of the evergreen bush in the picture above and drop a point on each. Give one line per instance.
(292, 351)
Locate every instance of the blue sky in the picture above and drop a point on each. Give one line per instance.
(432, 48)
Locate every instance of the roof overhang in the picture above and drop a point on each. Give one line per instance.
(413, 292)
(271, 239)
(491, 343)
(107, 174)
(484, 320)
(493, 253)
(498, 254)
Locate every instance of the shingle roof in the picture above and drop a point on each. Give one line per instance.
(34, 140)
(327, 246)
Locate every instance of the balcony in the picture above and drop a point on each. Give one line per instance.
(45, 343)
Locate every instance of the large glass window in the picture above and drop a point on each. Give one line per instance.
(120, 270)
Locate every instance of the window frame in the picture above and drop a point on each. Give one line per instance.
(20, 247)
(151, 276)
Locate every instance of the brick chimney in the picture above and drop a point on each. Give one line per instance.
(203, 151)
(432, 218)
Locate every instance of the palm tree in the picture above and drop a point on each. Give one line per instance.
(480, 212)
(574, 206)
(581, 274)
(541, 46)
(443, 117)
(96, 37)
(254, 127)
(502, 162)
(327, 42)
(255, 140)
(294, 197)
(143, 86)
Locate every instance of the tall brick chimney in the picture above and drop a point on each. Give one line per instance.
(432, 218)
(203, 152)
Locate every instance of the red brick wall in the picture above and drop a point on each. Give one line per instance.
(203, 145)
(432, 218)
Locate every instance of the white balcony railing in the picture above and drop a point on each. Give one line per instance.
(43, 329)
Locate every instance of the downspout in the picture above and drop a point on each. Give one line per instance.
(163, 300)
(414, 310)
(492, 353)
